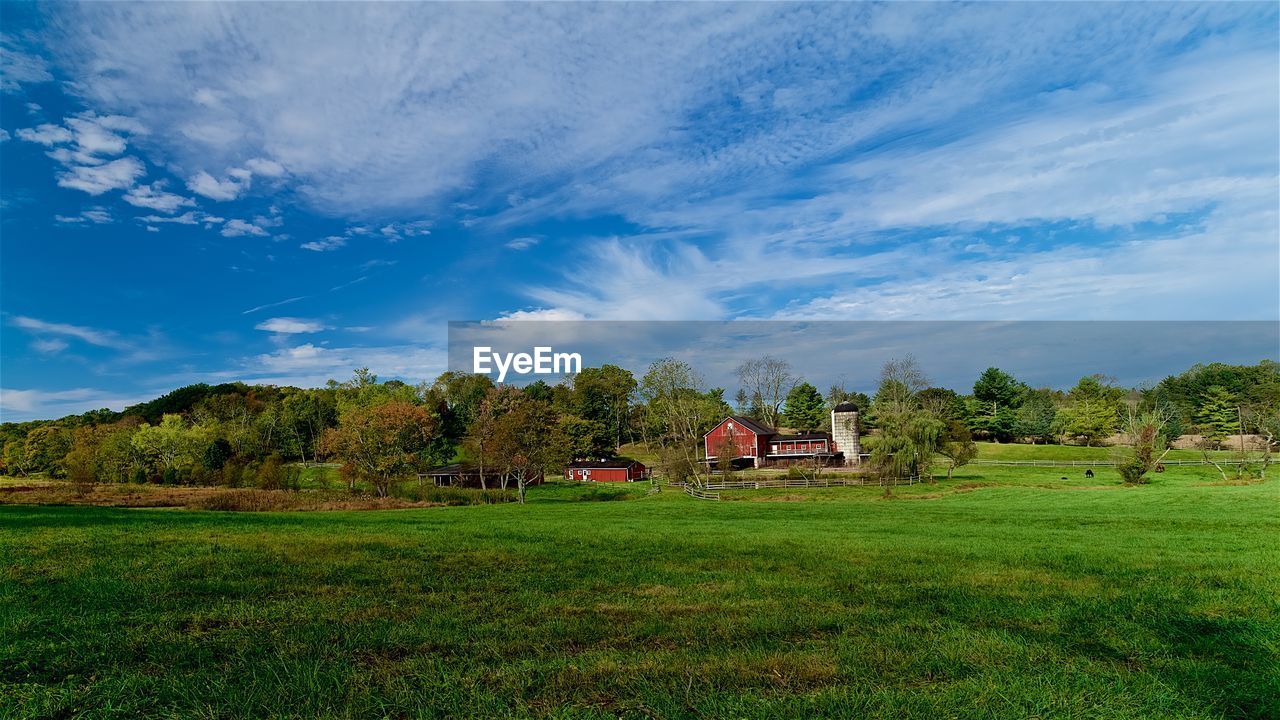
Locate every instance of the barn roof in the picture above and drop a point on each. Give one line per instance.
(453, 469)
(803, 436)
(615, 463)
(752, 425)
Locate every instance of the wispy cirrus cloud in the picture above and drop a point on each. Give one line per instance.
(311, 365)
(93, 336)
(286, 301)
(96, 215)
(659, 161)
(17, 405)
(522, 243)
(18, 67)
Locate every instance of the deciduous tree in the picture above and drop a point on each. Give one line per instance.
(767, 380)
(1146, 433)
(382, 443)
(528, 444)
(956, 445)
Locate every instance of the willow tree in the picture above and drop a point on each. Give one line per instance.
(909, 434)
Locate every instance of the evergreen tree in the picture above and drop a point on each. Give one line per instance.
(1217, 414)
(1092, 412)
(805, 408)
(997, 395)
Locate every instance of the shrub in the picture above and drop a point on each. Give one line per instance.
(1146, 432)
(240, 500)
(676, 465)
(231, 474)
(451, 495)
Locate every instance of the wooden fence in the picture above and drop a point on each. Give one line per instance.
(700, 493)
(786, 482)
(710, 491)
(1099, 463)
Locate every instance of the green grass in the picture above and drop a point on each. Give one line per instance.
(1025, 596)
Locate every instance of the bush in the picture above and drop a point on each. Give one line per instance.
(676, 466)
(274, 474)
(232, 472)
(244, 501)
(451, 495)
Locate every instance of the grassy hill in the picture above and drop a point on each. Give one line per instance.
(1002, 593)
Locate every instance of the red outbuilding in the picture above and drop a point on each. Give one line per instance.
(619, 470)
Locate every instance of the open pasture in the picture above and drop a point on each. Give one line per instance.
(1001, 593)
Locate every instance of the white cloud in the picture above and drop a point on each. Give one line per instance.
(523, 243)
(4, 135)
(95, 137)
(560, 314)
(736, 149)
(1140, 279)
(94, 215)
(333, 242)
(97, 179)
(513, 94)
(265, 167)
(46, 134)
(290, 326)
(531, 89)
(86, 166)
(154, 197)
(18, 405)
(49, 346)
(202, 183)
(310, 365)
(191, 217)
(268, 221)
(17, 67)
(395, 231)
(238, 228)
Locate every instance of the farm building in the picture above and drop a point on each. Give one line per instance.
(467, 475)
(619, 470)
(750, 443)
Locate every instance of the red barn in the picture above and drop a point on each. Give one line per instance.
(741, 436)
(748, 442)
(620, 470)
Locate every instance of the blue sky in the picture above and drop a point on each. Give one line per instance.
(199, 192)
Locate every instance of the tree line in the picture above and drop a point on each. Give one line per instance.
(237, 434)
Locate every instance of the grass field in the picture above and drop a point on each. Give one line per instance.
(1002, 593)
